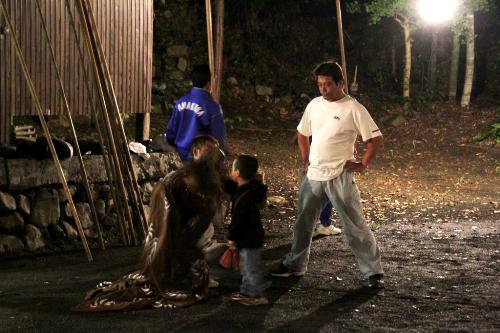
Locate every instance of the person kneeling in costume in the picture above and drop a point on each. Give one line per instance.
(173, 270)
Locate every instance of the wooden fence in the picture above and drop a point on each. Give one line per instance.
(126, 30)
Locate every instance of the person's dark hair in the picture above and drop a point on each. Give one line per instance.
(200, 75)
(206, 174)
(175, 206)
(331, 69)
(247, 165)
(201, 140)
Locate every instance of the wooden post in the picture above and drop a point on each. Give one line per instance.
(210, 39)
(46, 131)
(219, 47)
(142, 126)
(342, 50)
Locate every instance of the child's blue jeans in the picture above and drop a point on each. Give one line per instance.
(250, 268)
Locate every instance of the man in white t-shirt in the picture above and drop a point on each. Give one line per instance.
(334, 120)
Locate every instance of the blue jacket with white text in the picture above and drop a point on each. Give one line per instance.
(194, 114)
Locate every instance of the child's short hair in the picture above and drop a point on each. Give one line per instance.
(201, 140)
(247, 166)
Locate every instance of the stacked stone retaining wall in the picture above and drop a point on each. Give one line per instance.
(35, 216)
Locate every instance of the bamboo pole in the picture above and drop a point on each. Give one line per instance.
(109, 118)
(107, 156)
(39, 110)
(72, 127)
(219, 49)
(122, 150)
(105, 151)
(114, 154)
(126, 198)
(210, 39)
(122, 147)
(342, 49)
(118, 119)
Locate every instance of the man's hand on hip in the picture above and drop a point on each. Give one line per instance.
(305, 166)
(354, 166)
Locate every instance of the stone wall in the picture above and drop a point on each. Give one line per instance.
(180, 41)
(35, 216)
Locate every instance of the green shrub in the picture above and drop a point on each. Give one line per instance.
(493, 132)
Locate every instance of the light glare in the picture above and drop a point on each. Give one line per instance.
(437, 11)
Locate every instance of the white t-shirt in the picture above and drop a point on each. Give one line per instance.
(334, 127)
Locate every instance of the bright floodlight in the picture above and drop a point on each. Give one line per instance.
(437, 11)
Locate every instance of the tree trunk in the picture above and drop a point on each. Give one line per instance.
(405, 25)
(433, 61)
(455, 53)
(469, 62)
(406, 76)
(393, 58)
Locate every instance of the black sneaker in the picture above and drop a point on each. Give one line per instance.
(283, 271)
(375, 281)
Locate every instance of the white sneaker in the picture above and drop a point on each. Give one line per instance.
(327, 231)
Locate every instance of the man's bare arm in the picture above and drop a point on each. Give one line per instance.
(368, 156)
(303, 142)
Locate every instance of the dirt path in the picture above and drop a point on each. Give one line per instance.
(433, 205)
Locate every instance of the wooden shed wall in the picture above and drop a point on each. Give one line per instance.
(126, 31)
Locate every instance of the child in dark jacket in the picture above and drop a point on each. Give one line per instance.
(246, 233)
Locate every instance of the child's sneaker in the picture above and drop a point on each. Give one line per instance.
(251, 301)
(237, 296)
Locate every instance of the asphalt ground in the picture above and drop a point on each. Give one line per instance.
(445, 283)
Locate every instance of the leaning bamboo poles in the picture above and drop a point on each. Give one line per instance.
(116, 163)
(134, 191)
(72, 127)
(105, 151)
(38, 108)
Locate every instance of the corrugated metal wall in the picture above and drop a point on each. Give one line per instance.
(126, 30)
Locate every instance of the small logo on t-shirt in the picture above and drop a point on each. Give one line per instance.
(335, 117)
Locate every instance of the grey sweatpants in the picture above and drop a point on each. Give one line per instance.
(344, 195)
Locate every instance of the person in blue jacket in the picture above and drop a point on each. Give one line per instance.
(194, 114)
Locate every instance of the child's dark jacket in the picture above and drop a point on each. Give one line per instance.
(246, 226)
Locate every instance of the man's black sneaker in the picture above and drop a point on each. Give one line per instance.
(283, 271)
(375, 281)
